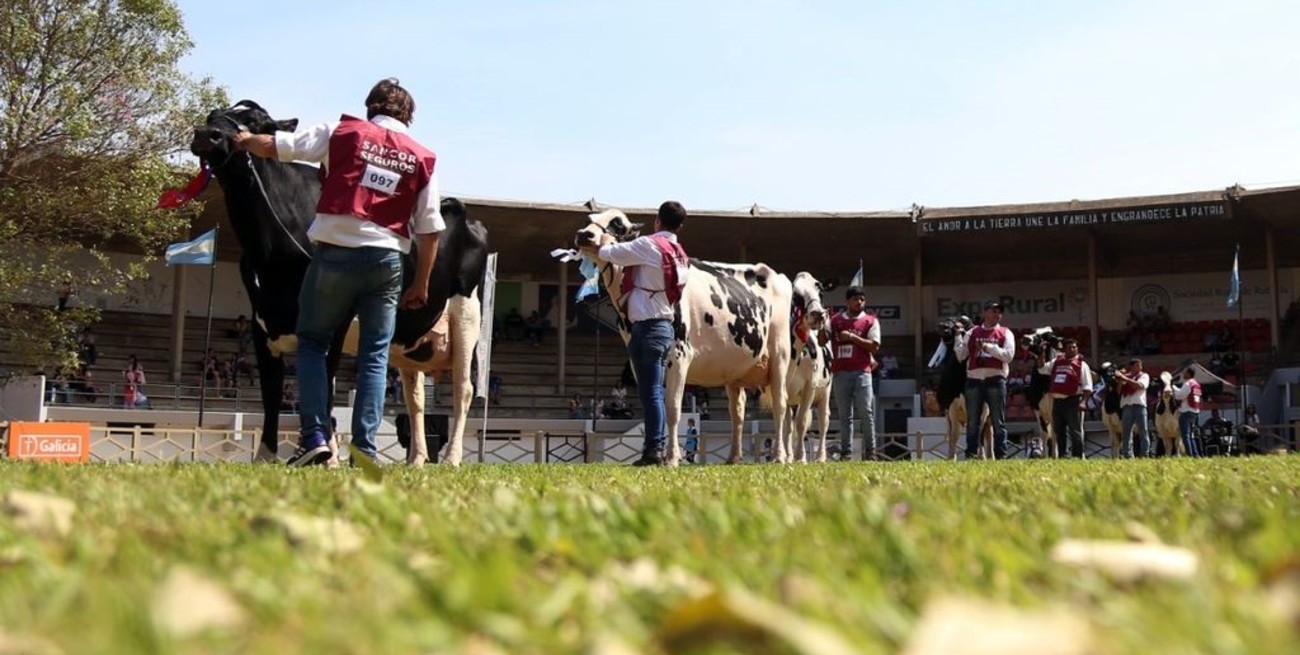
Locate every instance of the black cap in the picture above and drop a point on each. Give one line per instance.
(993, 304)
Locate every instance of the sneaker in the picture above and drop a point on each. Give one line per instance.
(312, 449)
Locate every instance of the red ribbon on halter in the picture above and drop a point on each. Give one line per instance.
(173, 198)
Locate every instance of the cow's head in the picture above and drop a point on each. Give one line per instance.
(212, 141)
(1107, 374)
(950, 328)
(609, 226)
(1041, 341)
(808, 306)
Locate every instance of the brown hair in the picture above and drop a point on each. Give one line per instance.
(390, 99)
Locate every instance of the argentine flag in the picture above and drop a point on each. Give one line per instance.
(857, 277)
(199, 251)
(1234, 285)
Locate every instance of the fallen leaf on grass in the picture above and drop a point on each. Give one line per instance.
(954, 626)
(1282, 587)
(1125, 561)
(368, 466)
(732, 614)
(188, 603)
(41, 514)
(327, 536)
(607, 644)
(1141, 534)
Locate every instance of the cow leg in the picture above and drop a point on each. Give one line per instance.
(736, 405)
(824, 420)
(803, 418)
(413, 397)
(270, 373)
(466, 320)
(956, 415)
(674, 386)
(776, 387)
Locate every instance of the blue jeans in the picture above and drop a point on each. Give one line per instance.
(991, 392)
(854, 402)
(1134, 416)
(647, 349)
(1186, 422)
(341, 282)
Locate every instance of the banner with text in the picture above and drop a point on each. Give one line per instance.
(1175, 213)
(1199, 296)
(1027, 304)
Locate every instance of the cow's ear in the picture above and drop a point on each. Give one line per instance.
(286, 125)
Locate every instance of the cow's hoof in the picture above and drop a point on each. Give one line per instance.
(733, 460)
(417, 462)
(332, 462)
(265, 456)
(453, 462)
(821, 459)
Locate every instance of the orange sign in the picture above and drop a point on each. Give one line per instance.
(50, 442)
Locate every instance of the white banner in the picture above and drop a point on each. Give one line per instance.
(489, 292)
(1057, 303)
(1202, 296)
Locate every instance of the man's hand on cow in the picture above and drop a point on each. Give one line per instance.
(415, 297)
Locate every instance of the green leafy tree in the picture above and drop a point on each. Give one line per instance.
(94, 113)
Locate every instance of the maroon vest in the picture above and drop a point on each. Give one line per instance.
(672, 259)
(374, 174)
(1066, 374)
(1193, 399)
(979, 335)
(848, 356)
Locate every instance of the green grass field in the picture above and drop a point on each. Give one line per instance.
(610, 559)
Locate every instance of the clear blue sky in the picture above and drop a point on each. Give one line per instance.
(843, 105)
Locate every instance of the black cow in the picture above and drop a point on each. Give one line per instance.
(952, 386)
(1045, 346)
(270, 205)
(1111, 415)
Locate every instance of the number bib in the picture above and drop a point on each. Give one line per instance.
(380, 179)
(1060, 378)
(844, 351)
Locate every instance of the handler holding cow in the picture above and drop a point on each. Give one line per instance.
(379, 190)
(987, 351)
(1071, 386)
(855, 337)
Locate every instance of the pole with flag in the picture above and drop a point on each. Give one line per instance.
(857, 277)
(200, 251)
(1234, 298)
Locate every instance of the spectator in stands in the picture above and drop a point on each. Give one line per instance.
(578, 408)
(1248, 432)
(239, 329)
(534, 328)
(512, 326)
(1161, 321)
(1133, 324)
(1227, 340)
(211, 371)
(1150, 344)
(65, 294)
(58, 389)
(133, 392)
(494, 389)
(889, 366)
(227, 374)
(288, 398)
(393, 386)
(1231, 363)
(84, 383)
(617, 407)
(1133, 409)
(1211, 341)
(1216, 365)
(87, 352)
(767, 450)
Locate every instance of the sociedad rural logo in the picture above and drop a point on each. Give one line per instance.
(1148, 298)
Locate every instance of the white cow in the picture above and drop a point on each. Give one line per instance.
(732, 328)
(808, 385)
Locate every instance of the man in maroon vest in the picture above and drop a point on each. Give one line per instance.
(379, 193)
(855, 337)
(1189, 395)
(1071, 386)
(654, 274)
(987, 351)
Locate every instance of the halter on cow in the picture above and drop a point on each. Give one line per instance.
(952, 386)
(270, 205)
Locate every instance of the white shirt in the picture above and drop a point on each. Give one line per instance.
(1004, 353)
(1180, 394)
(1138, 397)
(646, 301)
(312, 144)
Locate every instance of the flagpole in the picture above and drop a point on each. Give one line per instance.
(1241, 357)
(207, 332)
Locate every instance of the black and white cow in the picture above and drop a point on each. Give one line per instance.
(270, 206)
(1044, 345)
(1166, 418)
(952, 387)
(808, 385)
(732, 329)
(1111, 412)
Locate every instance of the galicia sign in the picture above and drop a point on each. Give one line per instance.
(50, 442)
